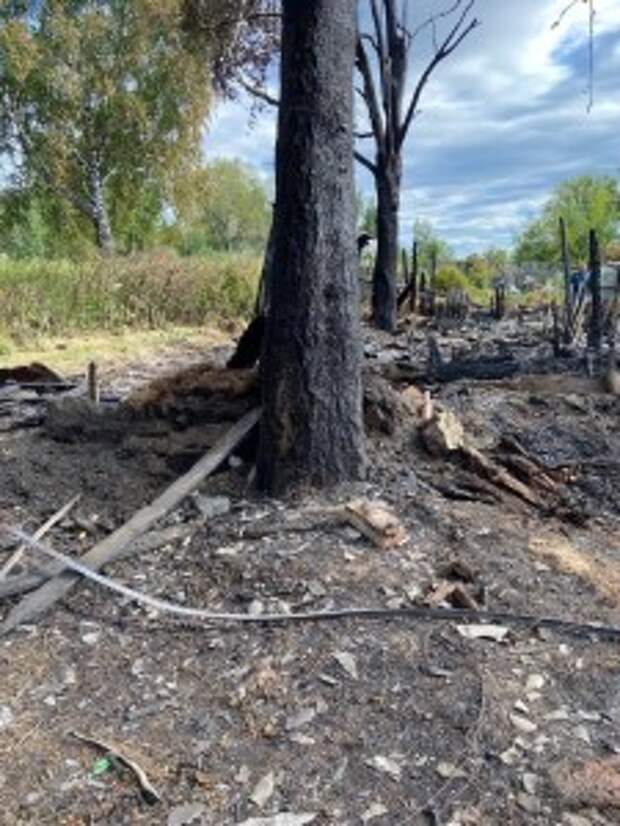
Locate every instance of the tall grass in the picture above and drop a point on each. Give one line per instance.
(145, 291)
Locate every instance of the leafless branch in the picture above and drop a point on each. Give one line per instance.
(365, 162)
(564, 12)
(432, 20)
(383, 55)
(396, 70)
(370, 92)
(449, 44)
(376, 19)
(592, 14)
(473, 25)
(372, 41)
(258, 92)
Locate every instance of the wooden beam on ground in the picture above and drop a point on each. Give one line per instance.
(113, 545)
(56, 517)
(14, 586)
(19, 584)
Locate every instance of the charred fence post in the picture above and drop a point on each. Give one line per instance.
(568, 303)
(499, 306)
(433, 284)
(413, 292)
(595, 330)
(402, 295)
(411, 279)
(92, 382)
(423, 293)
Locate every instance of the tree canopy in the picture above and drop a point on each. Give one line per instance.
(430, 246)
(102, 103)
(222, 206)
(585, 202)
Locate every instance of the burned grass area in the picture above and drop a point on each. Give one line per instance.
(493, 495)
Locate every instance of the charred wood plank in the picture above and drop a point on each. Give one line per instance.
(115, 544)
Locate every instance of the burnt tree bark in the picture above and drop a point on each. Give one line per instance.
(311, 428)
(384, 289)
(382, 59)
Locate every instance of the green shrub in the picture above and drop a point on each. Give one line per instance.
(450, 277)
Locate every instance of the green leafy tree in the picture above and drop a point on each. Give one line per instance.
(586, 202)
(430, 246)
(498, 260)
(537, 243)
(478, 271)
(223, 206)
(100, 102)
(23, 228)
(32, 223)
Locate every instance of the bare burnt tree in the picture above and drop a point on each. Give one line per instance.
(311, 428)
(382, 59)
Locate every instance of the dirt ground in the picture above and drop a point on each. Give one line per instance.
(346, 722)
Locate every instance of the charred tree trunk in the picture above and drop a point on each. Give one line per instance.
(263, 297)
(250, 345)
(311, 428)
(382, 59)
(423, 299)
(499, 308)
(384, 289)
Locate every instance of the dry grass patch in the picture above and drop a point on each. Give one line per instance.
(68, 355)
(604, 575)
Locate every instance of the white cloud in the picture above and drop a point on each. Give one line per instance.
(235, 133)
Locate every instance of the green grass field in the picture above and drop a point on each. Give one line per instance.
(42, 300)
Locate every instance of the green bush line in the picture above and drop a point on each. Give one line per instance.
(153, 290)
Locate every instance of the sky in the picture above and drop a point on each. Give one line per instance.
(503, 120)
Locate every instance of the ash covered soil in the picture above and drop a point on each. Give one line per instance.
(346, 722)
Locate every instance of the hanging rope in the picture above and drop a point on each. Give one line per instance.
(591, 16)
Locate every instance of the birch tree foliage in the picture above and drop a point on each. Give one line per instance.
(99, 100)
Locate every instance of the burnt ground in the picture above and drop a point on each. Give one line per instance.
(343, 722)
